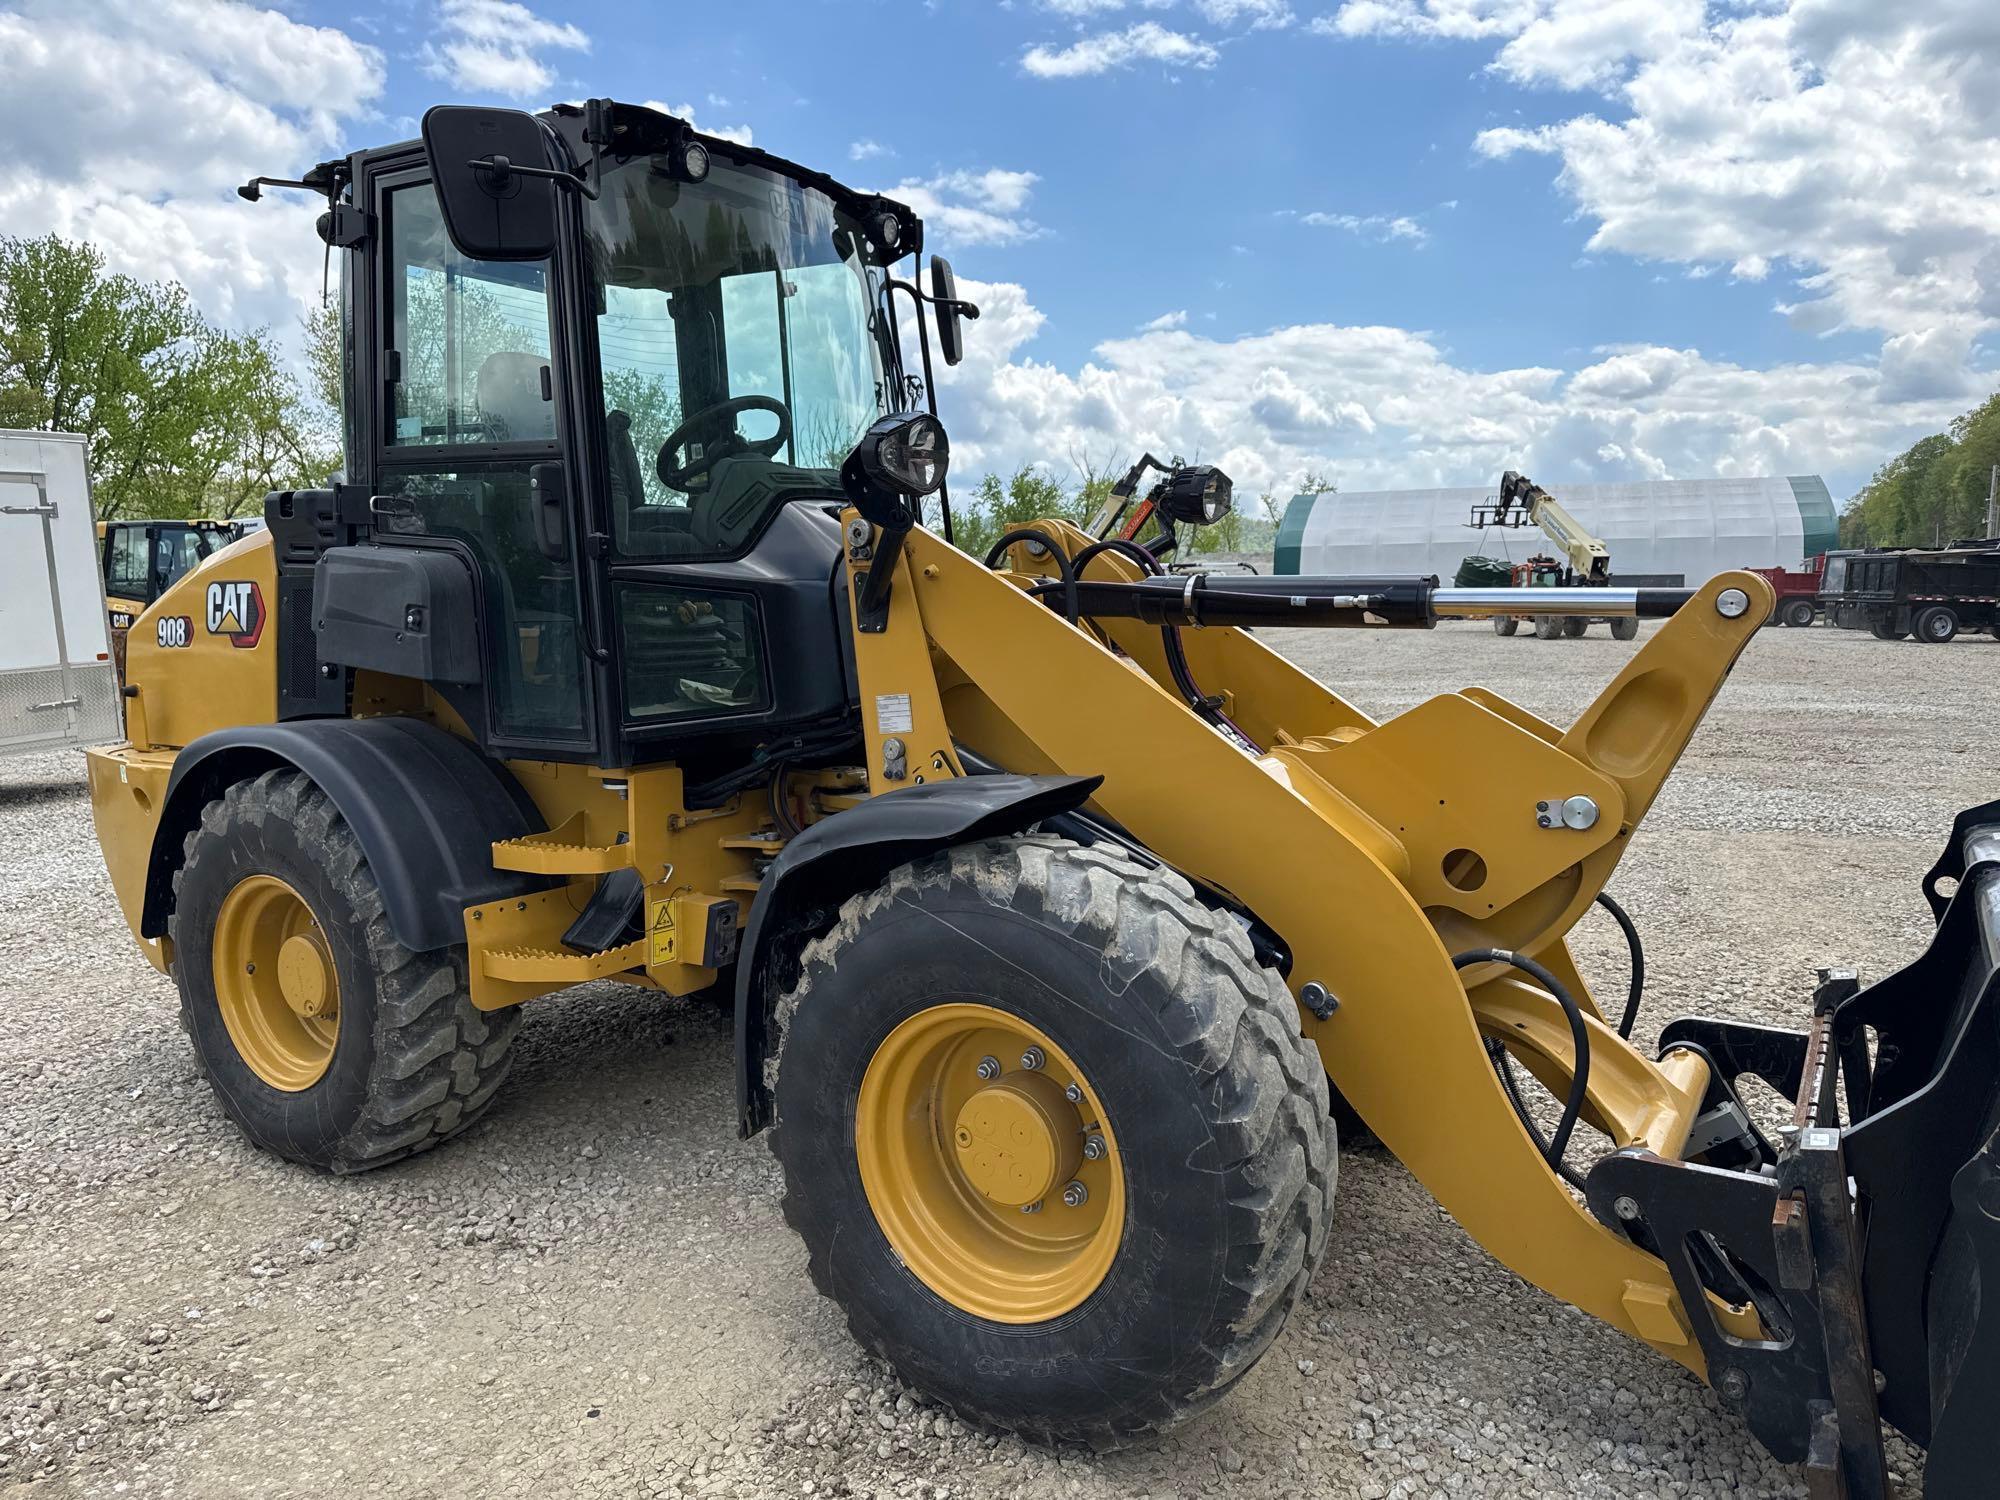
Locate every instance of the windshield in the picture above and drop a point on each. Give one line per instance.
(740, 312)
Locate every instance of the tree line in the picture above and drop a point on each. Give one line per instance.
(1932, 493)
(184, 418)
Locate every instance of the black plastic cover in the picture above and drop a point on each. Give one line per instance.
(408, 611)
(427, 807)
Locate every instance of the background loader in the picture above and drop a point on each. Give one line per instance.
(572, 677)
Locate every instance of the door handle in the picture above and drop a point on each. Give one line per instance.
(545, 485)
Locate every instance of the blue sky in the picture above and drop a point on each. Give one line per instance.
(1391, 241)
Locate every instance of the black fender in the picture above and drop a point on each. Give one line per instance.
(427, 807)
(850, 852)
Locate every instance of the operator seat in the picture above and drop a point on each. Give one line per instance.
(509, 392)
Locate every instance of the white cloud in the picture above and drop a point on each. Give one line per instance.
(741, 134)
(1146, 42)
(867, 149)
(496, 47)
(1257, 15)
(1175, 319)
(1383, 227)
(972, 208)
(1844, 144)
(1386, 407)
(129, 123)
(1451, 20)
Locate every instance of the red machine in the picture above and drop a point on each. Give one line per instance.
(1798, 591)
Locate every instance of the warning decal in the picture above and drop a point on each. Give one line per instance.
(662, 945)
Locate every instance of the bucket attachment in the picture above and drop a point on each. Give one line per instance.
(1844, 1269)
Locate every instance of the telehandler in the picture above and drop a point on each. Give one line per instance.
(1047, 898)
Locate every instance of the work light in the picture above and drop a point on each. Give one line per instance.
(907, 453)
(1198, 494)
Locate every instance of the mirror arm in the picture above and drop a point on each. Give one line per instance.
(501, 170)
(890, 286)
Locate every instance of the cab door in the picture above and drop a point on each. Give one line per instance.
(469, 452)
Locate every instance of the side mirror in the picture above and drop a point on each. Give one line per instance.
(495, 187)
(950, 311)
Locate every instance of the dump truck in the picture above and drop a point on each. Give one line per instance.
(1797, 591)
(57, 690)
(1931, 593)
(1055, 913)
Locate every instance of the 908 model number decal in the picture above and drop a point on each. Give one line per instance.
(173, 630)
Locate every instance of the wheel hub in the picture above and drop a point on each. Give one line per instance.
(303, 975)
(275, 983)
(1014, 1143)
(999, 1185)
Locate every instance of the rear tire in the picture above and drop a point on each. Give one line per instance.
(1936, 625)
(1574, 626)
(1798, 613)
(1223, 1159)
(407, 1059)
(1548, 627)
(1625, 628)
(1505, 624)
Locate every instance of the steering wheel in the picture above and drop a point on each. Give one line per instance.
(725, 444)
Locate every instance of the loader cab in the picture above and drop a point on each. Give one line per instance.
(625, 434)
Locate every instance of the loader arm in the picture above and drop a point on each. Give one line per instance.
(1381, 850)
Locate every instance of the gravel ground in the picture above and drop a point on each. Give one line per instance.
(592, 1293)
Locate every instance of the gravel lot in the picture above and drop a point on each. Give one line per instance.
(592, 1292)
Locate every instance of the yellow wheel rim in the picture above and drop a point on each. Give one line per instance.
(999, 1186)
(275, 983)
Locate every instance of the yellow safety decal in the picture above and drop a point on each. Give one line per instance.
(662, 940)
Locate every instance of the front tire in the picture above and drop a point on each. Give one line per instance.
(1574, 626)
(1548, 627)
(1625, 628)
(327, 1041)
(1213, 1191)
(1505, 624)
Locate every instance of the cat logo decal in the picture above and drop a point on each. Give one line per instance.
(236, 609)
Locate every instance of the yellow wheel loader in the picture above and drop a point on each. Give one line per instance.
(623, 651)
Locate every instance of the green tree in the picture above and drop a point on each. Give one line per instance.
(996, 507)
(180, 414)
(1934, 491)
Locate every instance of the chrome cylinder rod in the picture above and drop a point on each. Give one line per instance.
(1484, 604)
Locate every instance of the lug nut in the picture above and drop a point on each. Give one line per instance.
(1032, 1059)
(1076, 1195)
(1094, 1148)
(1073, 1094)
(989, 1068)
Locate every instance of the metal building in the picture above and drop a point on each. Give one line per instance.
(1694, 527)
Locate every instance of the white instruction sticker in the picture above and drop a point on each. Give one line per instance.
(892, 714)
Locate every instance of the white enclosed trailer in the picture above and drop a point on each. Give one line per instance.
(57, 687)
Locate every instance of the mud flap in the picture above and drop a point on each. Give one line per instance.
(1866, 1238)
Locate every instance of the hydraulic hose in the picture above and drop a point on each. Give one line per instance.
(1062, 562)
(781, 812)
(1555, 1146)
(1634, 990)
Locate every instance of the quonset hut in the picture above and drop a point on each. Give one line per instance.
(1694, 527)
